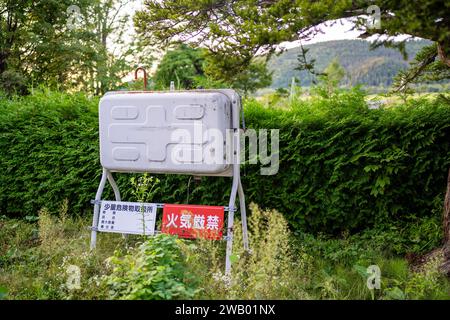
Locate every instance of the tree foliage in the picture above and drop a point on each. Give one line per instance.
(332, 76)
(424, 68)
(183, 65)
(342, 166)
(39, 45)
(372, 68)
(236, 31)
(254, 77)
(192, 67)
(31, 41)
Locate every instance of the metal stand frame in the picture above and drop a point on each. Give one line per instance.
(236, 190)
(106, 174)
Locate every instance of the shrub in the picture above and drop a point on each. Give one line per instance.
(153, 271)
(350, 168)
(343, 167)
(273, 269)
(49, 152)
(426, 283)
(36, 259)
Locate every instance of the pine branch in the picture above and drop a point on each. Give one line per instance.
(424, 59)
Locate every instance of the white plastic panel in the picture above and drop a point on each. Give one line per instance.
(165, 132)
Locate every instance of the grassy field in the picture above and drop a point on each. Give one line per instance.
(37, 258)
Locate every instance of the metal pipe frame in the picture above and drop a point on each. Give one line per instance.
(106, 175)
(236, 189)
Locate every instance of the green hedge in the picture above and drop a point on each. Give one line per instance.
(49, 152)
(342, 166)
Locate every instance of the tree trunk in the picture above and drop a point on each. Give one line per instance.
(446, 223)
(442, 54)
(3, 64)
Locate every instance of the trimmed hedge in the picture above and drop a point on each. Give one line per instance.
(49, 152)
(342, 166)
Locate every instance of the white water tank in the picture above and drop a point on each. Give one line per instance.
(167, 132)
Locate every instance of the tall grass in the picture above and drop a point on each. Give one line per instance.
(273, 269)
(36, 256)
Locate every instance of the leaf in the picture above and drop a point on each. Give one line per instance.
(234, 258)
(395, 293)
(362, 271)
(3, 293)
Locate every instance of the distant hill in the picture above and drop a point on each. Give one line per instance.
(363, 66)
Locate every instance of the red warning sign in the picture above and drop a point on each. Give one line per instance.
(193, 221)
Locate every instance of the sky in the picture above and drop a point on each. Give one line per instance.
(339, 31)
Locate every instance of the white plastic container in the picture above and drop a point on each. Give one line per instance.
(167, 132)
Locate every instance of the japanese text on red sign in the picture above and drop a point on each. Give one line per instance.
(193, 221)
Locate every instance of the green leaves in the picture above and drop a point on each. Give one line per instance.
(236, 32)
(3, 293)
(155, 270)
(395, 294)
(50, 143)
(342, 166)
(380, 183)
(362, 271)
(182, 65)
(37, 46)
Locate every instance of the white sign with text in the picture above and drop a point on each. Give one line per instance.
(127, 217)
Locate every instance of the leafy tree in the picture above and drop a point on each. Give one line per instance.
(191, 68)
(183, 65)
(235, 31)
(29, 31)
(105, 24)
(254, 77)
(248, 78)
(332, 76)
(424, 68)
(37, 46)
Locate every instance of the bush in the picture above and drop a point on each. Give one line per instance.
(343, 167)
(153, 271)
(49, 152)
(273, 269)
(37, 258)
(427, 283)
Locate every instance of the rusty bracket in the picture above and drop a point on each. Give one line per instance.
(145, 76)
